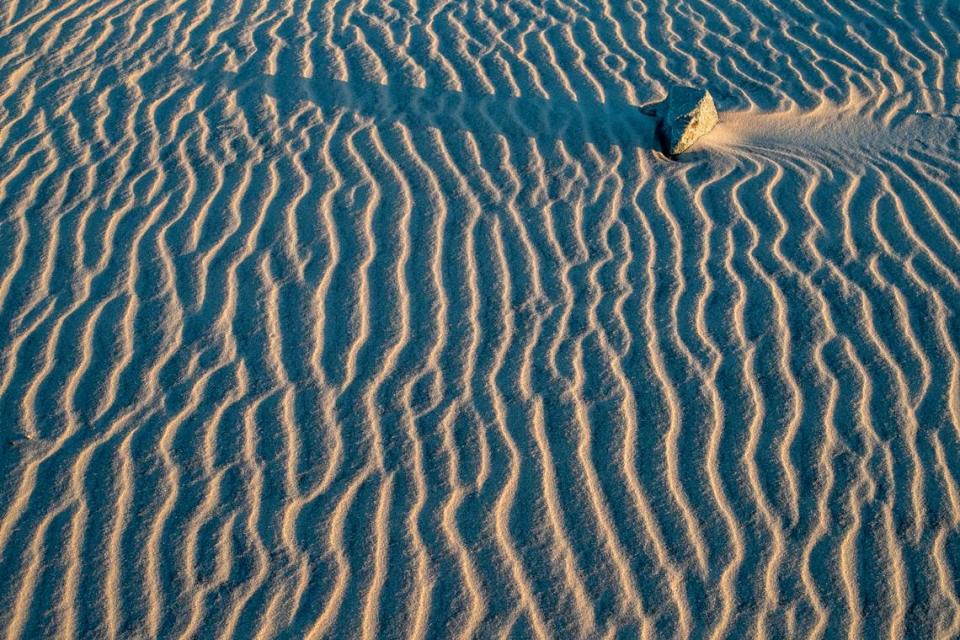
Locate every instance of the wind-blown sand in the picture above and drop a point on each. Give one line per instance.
(390, 319)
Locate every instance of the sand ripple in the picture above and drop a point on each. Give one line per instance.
(388, 319)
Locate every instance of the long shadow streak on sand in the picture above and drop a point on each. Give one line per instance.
(577, 123)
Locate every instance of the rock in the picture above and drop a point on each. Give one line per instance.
(690, 115)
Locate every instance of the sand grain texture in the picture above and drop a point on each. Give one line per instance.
(389, 319)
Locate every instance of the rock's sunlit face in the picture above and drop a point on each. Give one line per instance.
(430, 319)
(689, 115)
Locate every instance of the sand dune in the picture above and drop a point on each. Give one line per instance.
(391, 319)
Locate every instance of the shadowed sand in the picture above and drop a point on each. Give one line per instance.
(575, 122)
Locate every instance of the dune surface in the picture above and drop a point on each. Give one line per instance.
(390, 319)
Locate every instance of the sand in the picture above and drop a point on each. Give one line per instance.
(391, 319)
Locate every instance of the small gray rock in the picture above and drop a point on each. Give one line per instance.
(690, 115)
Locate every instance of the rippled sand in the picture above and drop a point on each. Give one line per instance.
(378, 319)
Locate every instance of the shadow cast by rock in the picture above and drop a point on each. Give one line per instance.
(577, 123)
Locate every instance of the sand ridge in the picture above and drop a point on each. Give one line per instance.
(382, 319)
